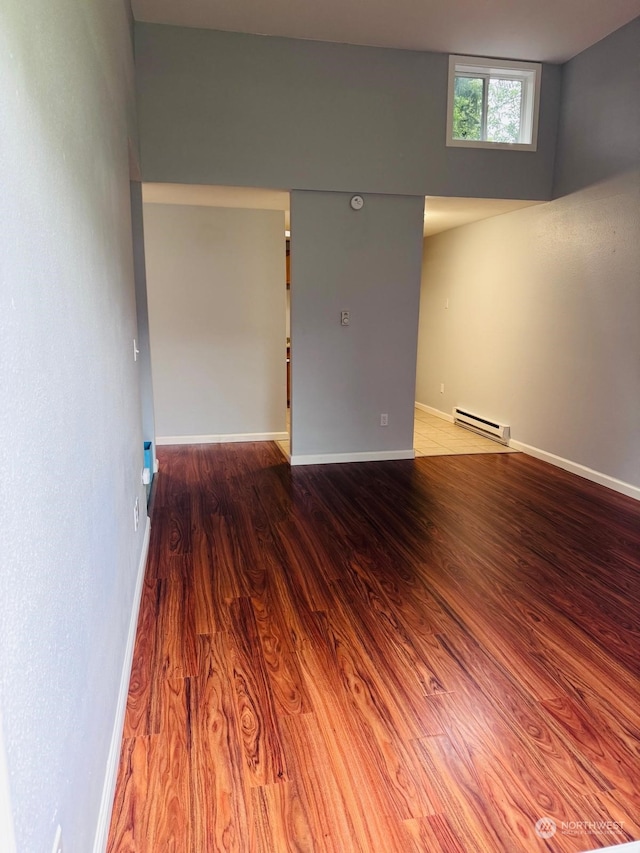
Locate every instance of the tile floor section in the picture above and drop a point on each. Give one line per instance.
(433, 436)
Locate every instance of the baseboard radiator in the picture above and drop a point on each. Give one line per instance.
(482, 426)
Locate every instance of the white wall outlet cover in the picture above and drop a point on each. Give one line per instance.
(357, 202)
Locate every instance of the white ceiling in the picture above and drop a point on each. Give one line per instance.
(542, 30)
(440, 214)
(206, 196)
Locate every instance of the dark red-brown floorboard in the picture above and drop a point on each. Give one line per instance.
(427, 655)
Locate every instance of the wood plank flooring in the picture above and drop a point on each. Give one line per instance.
(427, 655)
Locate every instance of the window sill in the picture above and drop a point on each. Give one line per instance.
(500, 146)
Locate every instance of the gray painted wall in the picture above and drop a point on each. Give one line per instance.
(142, 314)
(216, 282)
(599, 130)
(71, 449)
(226, 108)
(343, 378)
(542, 326)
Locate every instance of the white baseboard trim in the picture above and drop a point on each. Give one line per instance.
(6, 815)
(286, 455)
(628, 847)
(431, 411)
(222, 439)
(580, 470)
(558, 461)
(364, 456)
(111, 773)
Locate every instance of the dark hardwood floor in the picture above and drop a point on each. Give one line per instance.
(382, 657)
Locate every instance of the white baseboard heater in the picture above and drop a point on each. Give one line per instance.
(482, 426)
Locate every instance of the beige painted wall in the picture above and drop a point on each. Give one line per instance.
(216, 287)
(541, 331)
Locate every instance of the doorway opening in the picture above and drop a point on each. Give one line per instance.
(220, 329)
(450, 331)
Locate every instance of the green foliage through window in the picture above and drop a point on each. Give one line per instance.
(503, 106)
(467, 108)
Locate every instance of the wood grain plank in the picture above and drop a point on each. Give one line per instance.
(423, 655)
(226, 562)
(385, 640)
(207, 618)
(459, 796)
(281, 822)
(370, 812)
(364, 649)
(139, 716)
(288, 687)
(152, 806)
(375, 724)
(496, 696)
(221, 813)
(263, 757)
(175, 629)
(617, 763)
(170, 537)
(305, 558)
(326, 796)
(433, 834)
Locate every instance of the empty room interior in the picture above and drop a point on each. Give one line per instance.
(321, 325)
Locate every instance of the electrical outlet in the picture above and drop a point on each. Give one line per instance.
(57, 841)
(442, 387)
(384, 420)
(345, 318)
(136, 514)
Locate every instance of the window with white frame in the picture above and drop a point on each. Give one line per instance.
(493, 103)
